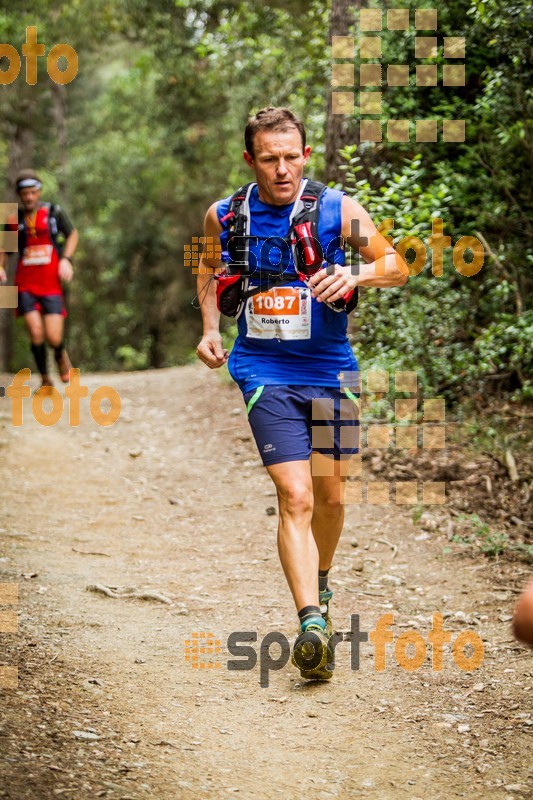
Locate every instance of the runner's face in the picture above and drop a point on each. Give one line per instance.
(278, 163)
(29, 198)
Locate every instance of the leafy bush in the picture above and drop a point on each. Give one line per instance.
(458, 333)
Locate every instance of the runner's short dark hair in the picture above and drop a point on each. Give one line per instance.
(272, 119)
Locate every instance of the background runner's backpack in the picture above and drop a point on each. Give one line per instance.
(55, 235)
(232, 283)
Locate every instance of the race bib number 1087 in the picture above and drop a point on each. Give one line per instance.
(284, 312)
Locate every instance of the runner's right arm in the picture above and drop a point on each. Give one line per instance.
(210, 349)
(70, 233)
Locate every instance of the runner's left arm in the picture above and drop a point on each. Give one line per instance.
(383, 267)
(71, 242)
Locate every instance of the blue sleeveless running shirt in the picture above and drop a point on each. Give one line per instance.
(286, 337)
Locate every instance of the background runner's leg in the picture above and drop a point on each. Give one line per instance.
(53, 326)
(296, 545)
(34, 323)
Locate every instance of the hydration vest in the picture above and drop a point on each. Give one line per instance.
(52, 210)
(233, 282)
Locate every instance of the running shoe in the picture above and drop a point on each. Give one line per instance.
(313, 655)
(64, 366)
(46, 386)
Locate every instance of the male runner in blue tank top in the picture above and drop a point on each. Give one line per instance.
(291, 359)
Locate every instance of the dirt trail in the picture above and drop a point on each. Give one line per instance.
(173, 499)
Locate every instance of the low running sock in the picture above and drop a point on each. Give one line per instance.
(59, 350)
(323, 580)
(311, 615)
(324, 592)
(39, 353)
(325, 597)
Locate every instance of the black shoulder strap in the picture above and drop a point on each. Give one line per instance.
(313, 188)
(21, 231)
(236, 215)
(238, 218)
(303, 232)
(309, 203)
(53, 209)
(308, 211)
(52, 222)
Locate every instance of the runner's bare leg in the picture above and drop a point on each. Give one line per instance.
(34, 323)
(53, 325)
(296, 544)
(328, 512)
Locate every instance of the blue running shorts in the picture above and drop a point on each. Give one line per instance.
(290, 422)
(46, 304)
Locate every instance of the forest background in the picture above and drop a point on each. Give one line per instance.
(149, 133)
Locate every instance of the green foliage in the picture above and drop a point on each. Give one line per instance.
(229, 334)
(504, 348)
(407, 196)
(131, 358)
(155, 120)
(417, 514)
(463, 335)
(420, 326)
(155, 123)
(488, 541)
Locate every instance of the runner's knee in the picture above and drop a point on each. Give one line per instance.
(36, 334)
(295, 499)
(329, 503)
(53, 340)
(329, 496)
(36, 338)
(35, 327)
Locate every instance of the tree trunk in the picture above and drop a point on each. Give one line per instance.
(59, 114)
(156, 350)
(340, 130)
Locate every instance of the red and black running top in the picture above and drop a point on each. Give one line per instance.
(38, 250)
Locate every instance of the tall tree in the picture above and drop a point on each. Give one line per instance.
(340, 131)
